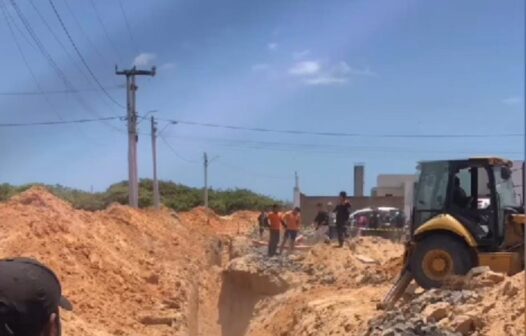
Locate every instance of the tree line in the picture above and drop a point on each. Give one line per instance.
(175, 196)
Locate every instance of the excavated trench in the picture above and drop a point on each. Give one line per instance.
(224, 304)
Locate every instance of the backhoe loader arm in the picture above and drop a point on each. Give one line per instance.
(403, 281)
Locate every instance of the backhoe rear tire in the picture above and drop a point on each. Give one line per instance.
(438, 256)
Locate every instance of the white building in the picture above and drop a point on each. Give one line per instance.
(396, 185)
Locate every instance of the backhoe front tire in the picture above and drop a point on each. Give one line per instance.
(438, 256)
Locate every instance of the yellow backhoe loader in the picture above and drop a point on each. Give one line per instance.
(465, 214)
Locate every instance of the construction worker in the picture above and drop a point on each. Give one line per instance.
(321, 221)
(275, 223)
(292, 222)
(342, 211)
(263, 223)
(30, 297)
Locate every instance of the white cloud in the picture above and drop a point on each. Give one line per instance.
(326, 80)
(301, 54)
(326, 73)
(512, 101)
(305, 68)
(144, 59)
(272, 46)
(261, 67)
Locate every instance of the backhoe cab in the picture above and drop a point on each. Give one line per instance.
(465, 214)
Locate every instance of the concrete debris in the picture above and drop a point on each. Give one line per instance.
(436, 312)
(366, 259)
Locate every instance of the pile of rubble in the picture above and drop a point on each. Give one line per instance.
(333, 291)
(471, 305)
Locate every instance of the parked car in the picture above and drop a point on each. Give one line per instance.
(387, 222)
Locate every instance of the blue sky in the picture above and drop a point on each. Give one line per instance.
(370, 67)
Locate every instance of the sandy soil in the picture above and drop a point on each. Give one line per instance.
(145, 272)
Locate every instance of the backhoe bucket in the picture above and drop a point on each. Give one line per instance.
(397, 291)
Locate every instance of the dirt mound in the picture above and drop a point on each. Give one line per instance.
(128, 272)
(366, 260)
(146, 272)
(239, 223)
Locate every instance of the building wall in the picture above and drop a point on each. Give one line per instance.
(389, 191)
(308, 204)
(397, 185)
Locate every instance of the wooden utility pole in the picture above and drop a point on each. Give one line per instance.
(156, 196)
(133, 138)
(205, 164)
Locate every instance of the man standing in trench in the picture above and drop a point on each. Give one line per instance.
(343, 211)
(275, 222)
(292, 222)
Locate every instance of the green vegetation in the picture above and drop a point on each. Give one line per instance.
(175, 196)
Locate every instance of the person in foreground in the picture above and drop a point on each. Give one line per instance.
(342, 211)
(30, 297)
(292, 222)
(275, 223)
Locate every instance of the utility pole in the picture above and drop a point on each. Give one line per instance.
(205, 163)
(133, 138)
(156, 196)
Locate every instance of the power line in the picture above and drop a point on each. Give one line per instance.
(253, 173)
(20, 31)
(42, 49)
(61, 122)
(93, 46)
(128, 28)
(105, 30)
(341, 134)
(176, 153)
(315, 148)
(47, 92)
(83, 60)
(9, 21)
(57, 39)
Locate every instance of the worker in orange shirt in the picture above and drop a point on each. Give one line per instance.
(275, 221)
(292, 222)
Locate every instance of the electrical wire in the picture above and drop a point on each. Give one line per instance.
(57, 39)
(251, 172)
(105, 30)
(176, 153)
(340, 134)
(48, 92)
(10, 22)
(92, 46)
(245, 144)
(81, 57)
(128, 28)
(52, 123)
(227, 165)
(45, 53)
